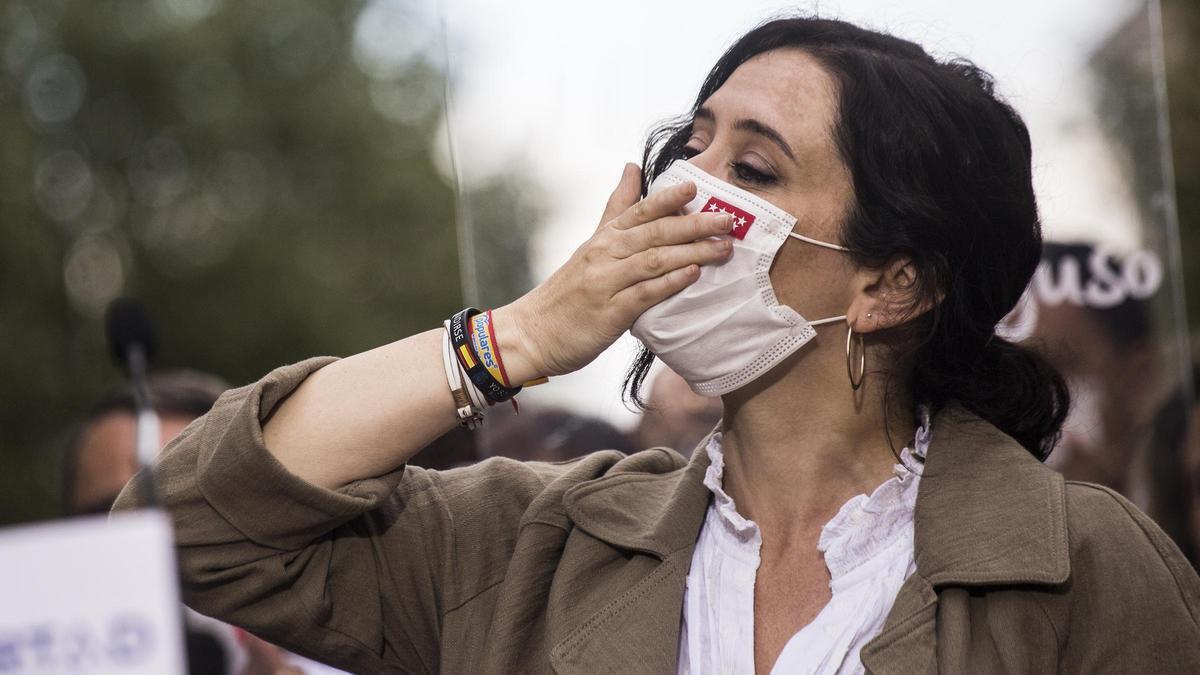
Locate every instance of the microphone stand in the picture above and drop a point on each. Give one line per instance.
(132, 339)
(149, 429)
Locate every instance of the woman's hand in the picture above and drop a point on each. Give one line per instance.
(366, 414)
(641, 254)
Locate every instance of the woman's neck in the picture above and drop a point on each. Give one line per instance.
(797, 446)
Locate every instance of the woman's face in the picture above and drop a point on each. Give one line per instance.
(769, 130)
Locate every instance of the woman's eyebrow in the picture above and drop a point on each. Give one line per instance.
(753, 126)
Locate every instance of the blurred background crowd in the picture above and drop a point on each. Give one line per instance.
(279, 179)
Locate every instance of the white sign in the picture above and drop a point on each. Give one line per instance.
(90, 595)
(1103, 281)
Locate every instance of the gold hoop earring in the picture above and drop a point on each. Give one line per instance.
(855, 383)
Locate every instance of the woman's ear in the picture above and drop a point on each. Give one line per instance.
(887, 297)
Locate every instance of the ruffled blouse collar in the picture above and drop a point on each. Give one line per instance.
(864, 526)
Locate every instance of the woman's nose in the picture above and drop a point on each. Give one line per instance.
(709, 161)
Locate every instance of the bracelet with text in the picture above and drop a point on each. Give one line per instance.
(473, 360)
(483, 338)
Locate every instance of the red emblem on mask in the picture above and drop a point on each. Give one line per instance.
(741, 220)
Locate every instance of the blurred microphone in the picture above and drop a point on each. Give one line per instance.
(132, 340)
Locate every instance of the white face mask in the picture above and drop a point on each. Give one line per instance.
(728, 328)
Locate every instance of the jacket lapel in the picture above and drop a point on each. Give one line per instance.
(658, 514)
(987, 514)
(907, 644)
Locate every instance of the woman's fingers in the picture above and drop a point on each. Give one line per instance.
(645, 294)
(661, 204)
(613, 277)
(669, 231)
(661, 260)
(628, 190)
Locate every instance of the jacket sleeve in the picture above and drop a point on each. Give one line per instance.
(358, 577)
(1135, 604)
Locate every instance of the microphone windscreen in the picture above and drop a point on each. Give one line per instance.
(126, 322)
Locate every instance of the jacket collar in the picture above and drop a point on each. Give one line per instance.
(658, 511)
(652, 503)
(987, 512)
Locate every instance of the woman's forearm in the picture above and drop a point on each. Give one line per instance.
(364, 415)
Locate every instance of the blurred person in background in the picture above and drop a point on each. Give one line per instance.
(1192, 464)
(675, 416)
(1176, 469)
(1173, 468)
(1106, 351)
(874, 188)
(541, 434)
(1165, 475)
(101, 457)
(1122, 431)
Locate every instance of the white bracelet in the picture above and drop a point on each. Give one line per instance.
(467, 408)
(465, 382)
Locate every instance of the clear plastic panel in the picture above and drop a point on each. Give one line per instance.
(564, 96)
(1107, 302)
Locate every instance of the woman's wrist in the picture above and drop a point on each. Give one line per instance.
(514, 345)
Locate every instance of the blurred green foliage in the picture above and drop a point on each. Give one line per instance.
(1181, 30)
(263, 175)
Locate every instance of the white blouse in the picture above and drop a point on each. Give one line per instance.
(868, 548)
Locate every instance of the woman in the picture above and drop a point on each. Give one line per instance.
(830, 172)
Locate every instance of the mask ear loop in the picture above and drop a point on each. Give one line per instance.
(862, 358)
(855, 383)
(818, 242)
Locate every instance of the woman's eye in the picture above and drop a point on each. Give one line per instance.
(689, 152)
(750, 174)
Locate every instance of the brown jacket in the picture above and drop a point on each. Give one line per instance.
(579, 567)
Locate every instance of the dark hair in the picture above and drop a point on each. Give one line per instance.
(942, 174)
(175, 393)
